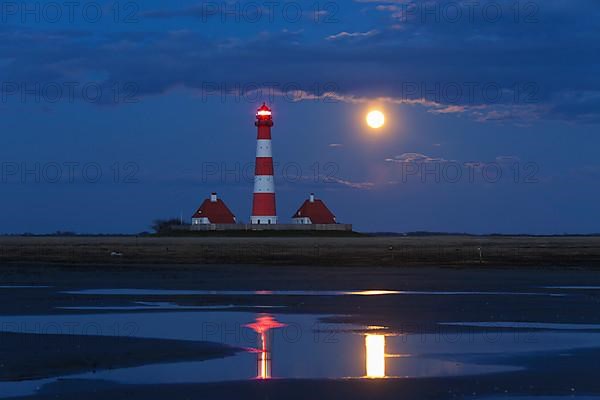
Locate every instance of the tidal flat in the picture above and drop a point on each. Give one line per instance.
(255, 331)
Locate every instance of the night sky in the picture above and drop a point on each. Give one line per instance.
(492, 109)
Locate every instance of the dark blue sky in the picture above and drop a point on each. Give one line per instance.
(159, 98)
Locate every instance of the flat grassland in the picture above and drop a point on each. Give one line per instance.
(331, 251)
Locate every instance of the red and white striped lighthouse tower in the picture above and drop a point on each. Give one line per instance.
(263, 205)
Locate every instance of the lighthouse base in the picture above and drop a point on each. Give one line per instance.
(263, 220)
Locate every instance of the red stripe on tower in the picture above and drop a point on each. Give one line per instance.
(263, 205)
(264, 166)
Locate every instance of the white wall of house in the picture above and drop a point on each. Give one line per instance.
(200, 221)
(302, 221)
(262, 220)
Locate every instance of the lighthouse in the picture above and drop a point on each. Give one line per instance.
(263, 205)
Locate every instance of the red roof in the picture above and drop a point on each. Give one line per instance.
(317, 211)
(216, 212)
(264, 107)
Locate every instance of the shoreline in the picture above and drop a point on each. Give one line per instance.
(55, 355)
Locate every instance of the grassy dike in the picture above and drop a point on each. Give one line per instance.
(311, 250)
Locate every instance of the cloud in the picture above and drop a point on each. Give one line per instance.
(195, 12)
(507, 159)
(416, 158)
(504, 72)
(336, 182)
(351, 35)
(449, 110)
(419, 158)
(351, 184)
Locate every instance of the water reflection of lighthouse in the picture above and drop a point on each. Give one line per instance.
(262, 326)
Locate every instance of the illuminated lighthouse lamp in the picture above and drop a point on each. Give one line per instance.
(264, 112)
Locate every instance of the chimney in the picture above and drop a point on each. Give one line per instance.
(312, 197)
(213, 198)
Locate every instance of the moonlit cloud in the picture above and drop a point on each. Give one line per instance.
(350, 35)
(449, 68)
(415, 158)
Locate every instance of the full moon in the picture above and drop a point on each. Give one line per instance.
(375, 119)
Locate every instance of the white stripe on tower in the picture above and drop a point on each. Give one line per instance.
(263, 148)
(264, 184)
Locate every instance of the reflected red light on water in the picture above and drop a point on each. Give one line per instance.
(263, 324)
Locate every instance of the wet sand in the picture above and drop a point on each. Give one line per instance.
(530, 383)
(533, 299)
(551, 376)
(48, 355)
(417, 310)
(332, 251)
